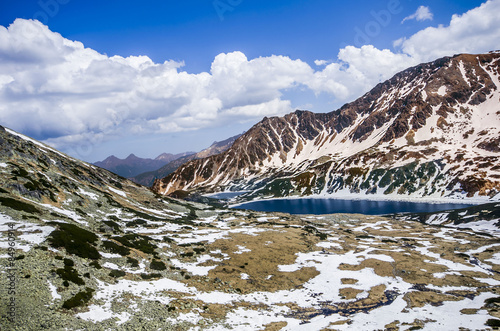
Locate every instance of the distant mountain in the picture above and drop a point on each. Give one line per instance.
(432, 130)
(148, 178)
(133, 165)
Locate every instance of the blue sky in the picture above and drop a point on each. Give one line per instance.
(109, 77)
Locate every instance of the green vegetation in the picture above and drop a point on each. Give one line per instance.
(493, 322)
(150, 276)
(157, 265)
(491, 301)
(312, 230)
(115, 227)
(138, 242)
(133, 262)
(199, 250)
(80, 299)
(136, 222)
(95, 264)
(305, 180)
(68, 262)
(19, 205)
(114, 218)
(117, 273)
(71, 275)
(75, 240)
(112, 247)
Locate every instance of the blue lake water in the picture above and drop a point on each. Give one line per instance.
(331, 206)
(225, 195)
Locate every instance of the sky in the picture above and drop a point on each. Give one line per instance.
(100, 78)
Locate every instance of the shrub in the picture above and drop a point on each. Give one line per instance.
(115, 248)
(80, 299)
(117, 273)
(19, 205)
(75, 240)
(157, 265)
(70, 274)
(133, 262)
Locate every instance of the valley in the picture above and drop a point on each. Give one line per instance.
(96, 251)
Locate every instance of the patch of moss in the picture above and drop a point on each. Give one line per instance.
(138, 242)
(68, 262)
(312, 230)
(493, 322)
(75, 240)
(168, 240)
(199, 250)
(492, 300)
(133, 262)
(150, 276)
(70, 274)
(81, 212)
(19, 205)
(136, 222)
(80, 299)
(117, 273)
(117, 185)
(112, 247)
(95, 264)
(114, 218)
(20, 172)
(364, 236)
(157, 265)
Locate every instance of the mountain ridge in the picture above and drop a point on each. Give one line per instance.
(430, 130)
(133, 165)
(148, 178)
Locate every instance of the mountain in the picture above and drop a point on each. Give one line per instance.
(432, 131)
(148, 178)
(82, 248)
(133, 165)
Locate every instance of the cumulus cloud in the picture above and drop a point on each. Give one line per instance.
(423, 13)
(56, 89)
(476, 31)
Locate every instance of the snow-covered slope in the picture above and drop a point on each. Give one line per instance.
(431, 131)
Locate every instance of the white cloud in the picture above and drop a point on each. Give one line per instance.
(423, 13)
(321, 63)
(476, 31)
(73, 96)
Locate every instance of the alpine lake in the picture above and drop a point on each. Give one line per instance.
(318, 206)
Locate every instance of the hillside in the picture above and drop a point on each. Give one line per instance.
(430, 131)
(94, 251)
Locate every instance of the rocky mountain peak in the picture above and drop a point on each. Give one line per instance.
(441, 119)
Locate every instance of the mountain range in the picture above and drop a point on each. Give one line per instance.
(132, 165)
(82, 248)
(148, 178)
(431, 131)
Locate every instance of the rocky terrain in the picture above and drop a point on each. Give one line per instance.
(132, 165)
(94, 251)
(431, 131)
(217, 147)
